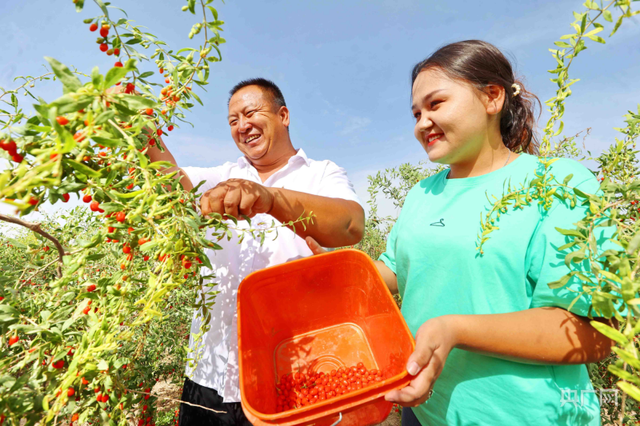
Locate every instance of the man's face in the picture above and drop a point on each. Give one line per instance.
(258, 128)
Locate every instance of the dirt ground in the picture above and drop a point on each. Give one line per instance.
(392, 420)
(166, 390)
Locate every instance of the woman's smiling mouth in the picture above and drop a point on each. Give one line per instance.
(433, 138)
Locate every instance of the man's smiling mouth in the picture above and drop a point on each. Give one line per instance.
(251, 138)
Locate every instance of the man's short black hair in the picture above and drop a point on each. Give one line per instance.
(267, 86)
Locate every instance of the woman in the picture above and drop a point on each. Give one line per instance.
(494, 344)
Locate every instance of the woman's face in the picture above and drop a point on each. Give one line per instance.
(452, 121)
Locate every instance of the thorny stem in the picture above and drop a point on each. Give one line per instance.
(36, 227)
(623, 402)
(26, 83)
(177, 400)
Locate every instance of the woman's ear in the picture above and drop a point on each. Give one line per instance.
(494, 98)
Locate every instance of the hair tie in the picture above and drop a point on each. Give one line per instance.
(516, 89)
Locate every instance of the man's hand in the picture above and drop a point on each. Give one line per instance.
(314, 246)
(235, 197)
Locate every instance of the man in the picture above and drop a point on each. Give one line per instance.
(271, 181)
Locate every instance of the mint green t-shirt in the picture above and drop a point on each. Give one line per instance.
(432, 250)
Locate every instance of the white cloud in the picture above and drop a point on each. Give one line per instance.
(355, 124)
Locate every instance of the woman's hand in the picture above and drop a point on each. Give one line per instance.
(434, 340)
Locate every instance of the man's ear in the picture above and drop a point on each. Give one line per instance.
(494, 99)
(283, 113)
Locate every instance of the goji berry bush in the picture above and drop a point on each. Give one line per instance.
(95, 304)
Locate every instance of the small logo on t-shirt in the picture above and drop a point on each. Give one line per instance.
(439, 223)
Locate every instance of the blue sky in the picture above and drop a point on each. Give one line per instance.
(343, 66)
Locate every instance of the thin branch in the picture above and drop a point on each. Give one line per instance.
(178, 400)
(36, 227)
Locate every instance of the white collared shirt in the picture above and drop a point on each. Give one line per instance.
(218, 366)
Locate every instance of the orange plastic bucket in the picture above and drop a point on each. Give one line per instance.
(317, 314)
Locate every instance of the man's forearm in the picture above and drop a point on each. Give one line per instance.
(536, 336)
(156, 155)
(337, 222)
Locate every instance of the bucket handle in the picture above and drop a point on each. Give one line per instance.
(339, 420)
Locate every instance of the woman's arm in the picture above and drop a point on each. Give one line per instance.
(532, 336)
(536, 336)
(388, 276)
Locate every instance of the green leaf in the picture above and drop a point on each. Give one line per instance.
(81, 168)
(148, 246)
(567, 179)
(574, 256)
(192, 5)
(123, 110)
(633, 244)
(610, 332)
(594, 31)
(129, 195)
(69, 81)
(562, 44)
(597, 38)
(137, 102)
(559, 283)
(213, 12)
(196, 98)
(590, 4)
(112, 143)
(623, 374)
(607, 16)
(96, 78)
(143, 160)
(580, 194)
(160, 164)
(97, 256)
(115, 74)
(616, 26)
(630, 390)
(71, 103)
(627, 357)
(103, 7)
(97, 239)
(568, 245)
(570, 232)
(105, 116)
